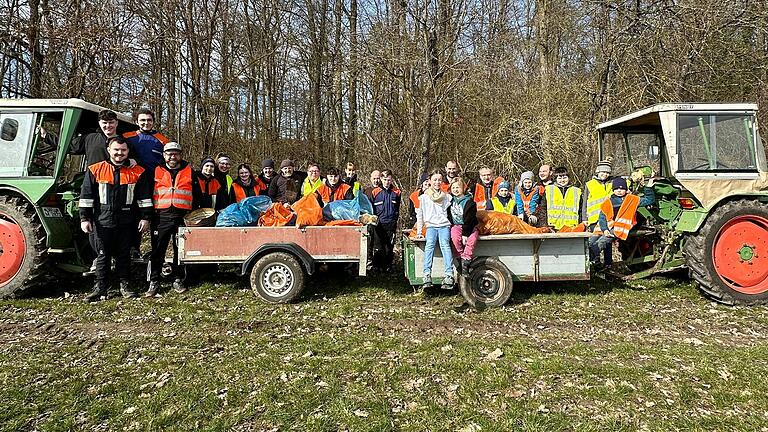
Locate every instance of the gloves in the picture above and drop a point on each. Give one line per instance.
(532, 219)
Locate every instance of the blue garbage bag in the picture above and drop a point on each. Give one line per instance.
(364, 204)
(231, 216)
(342, 210)
(251, 208)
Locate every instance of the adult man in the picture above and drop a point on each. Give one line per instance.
(563, 201)
(334, 189)
(375, 182)
(545, 179)
(175, 194)
(267, 173)
(451, 172)
(386, 205)
(350, 177)
(111, 195)
(94, 145)
(286, 188)
(223, 165)
(146, 143)
(545, 176)
(595, 192)
(313, 181)
(618, 214)
(486, 189)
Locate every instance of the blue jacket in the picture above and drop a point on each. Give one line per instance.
(386, 204)
(146, 148)
(648, 198)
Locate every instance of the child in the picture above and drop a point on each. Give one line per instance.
(463, 217)
(563, 201)
(432, 212)
(527, 198)
(503, 201)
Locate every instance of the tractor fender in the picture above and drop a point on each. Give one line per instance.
(10, 190)
(304, 258)
(690, 221)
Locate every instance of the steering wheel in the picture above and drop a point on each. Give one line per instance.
(705, 164)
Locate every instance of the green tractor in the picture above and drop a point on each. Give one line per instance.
(39, 187)
(711, 214)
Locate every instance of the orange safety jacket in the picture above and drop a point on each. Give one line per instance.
(240, 192)
(209, 187)
(414, 197)
(479, 195)
(624, 220)
(342, 192)
(527, 198)
(170, 193)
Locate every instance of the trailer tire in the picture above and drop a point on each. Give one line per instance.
(22, 247)
(277, 277)
(489, 283)
(727, 257)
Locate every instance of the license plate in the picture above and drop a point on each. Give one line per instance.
(52, 212)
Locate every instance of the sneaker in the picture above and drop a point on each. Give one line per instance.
(96, 295)
(465, 267)
(152, 291)
(178, 286)
(427, 281)
(126, 291)
(448, 282)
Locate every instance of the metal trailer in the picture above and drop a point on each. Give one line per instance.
(277, 258)
(501, 260)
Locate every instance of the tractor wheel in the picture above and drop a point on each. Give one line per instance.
(22, 247)
(728, 257)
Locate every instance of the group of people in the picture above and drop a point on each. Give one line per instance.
(444, 209)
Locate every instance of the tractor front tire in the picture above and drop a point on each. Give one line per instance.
(22, 247)
(728, 257)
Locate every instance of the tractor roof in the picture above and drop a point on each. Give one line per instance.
(649, 117)
(59, 103)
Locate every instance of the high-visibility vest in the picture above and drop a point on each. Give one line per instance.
(104, 174)
(414, 197)
(230, 180)
(177, 193)
(562, 210)
(624, 220)
(308, 187)
(210, 187)
(479, 195)
(328, 195)
(499, 207)
(242, 192)
(598, 192)
(526, 198)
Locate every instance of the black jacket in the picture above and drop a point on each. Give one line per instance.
(208, 184)
(110, 199)
(469, 217)
(93, 146)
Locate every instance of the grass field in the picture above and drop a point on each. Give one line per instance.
(371, 354)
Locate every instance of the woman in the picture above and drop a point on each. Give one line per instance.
(214, 195)
(223, 165)
(246, 185)
(463, 217)
(432, 213)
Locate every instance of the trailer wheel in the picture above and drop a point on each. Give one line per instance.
(277, 277)
(489, 283)
(22, 247)
(728, 257)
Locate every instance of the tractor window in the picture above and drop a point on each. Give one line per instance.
(644, 150)
(716, 142)
(15, 132)
(46, 142)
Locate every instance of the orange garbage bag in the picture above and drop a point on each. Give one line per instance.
(492, 222)
(344, 222)
(412, 233)
(308, 211)
(276, 215)
(582, 227)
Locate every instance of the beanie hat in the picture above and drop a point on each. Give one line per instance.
(526, 175)
(604, 166)
(206, 160)
(619, 183)
(423, 177)
(268, 163)
(504, 185)
(286, 163)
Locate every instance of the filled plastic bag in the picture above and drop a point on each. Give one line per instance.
(231, 216)
(492, 222)
(364, 205)
(276, 215)
(342, 210)
(343, 223)
(582, 227)
(412, 233)
(252, 207)
(308, 211)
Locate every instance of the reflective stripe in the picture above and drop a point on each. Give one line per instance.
(85, 202)
(213, 201)
(144, 203)
(102, 193)
(129, 193)
(562, 210)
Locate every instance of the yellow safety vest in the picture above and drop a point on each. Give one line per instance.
(308, 187)
(563, 210)
(598, 192)
(498, 207)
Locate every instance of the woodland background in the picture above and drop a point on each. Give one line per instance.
(398, 84)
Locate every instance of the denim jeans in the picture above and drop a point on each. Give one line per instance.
(442, 234)
(597, 243)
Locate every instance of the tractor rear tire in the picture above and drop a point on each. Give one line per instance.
(22, 247)
(728, 257)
